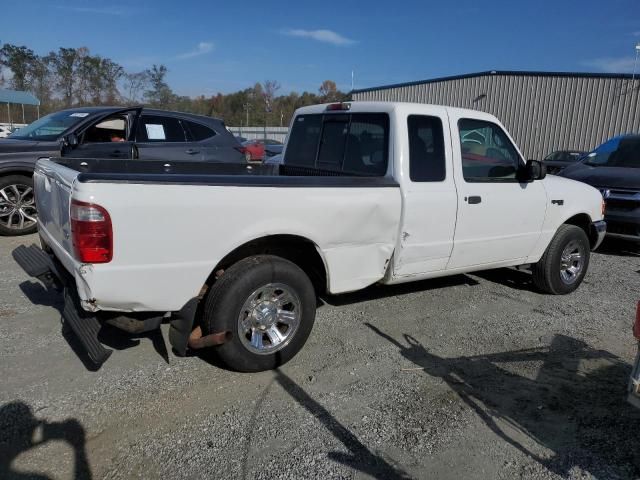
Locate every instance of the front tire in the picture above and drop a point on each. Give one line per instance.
(17, 206)
(269, 306)
(564, 263)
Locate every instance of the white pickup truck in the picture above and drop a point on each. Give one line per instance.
(369, 192)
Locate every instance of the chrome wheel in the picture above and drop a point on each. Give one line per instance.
(571, 262)
(269, 318)
(17, 207)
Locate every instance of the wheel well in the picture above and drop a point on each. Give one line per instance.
(7, 173)
(583, 221)
(299, 250)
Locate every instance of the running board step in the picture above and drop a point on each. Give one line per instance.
(86, 327)
(32, 260)
(37, 264)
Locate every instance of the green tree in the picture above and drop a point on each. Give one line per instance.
(20, 61)
(159, 94)
(66, 63)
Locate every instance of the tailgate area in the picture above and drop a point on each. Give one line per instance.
(53, 185)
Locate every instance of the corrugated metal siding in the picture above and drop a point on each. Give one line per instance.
(251, 133)
(542, 113)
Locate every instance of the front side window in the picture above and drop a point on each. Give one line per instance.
(426, 149)
(110, 129)
(154, 128)
(487, 153)
(355, 143)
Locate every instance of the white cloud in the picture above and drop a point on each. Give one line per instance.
(612, 64)
(326, 36)
(116, 11)
(202, 49)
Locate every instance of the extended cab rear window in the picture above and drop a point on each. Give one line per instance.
(351, 143)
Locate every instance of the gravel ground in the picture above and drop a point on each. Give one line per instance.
(474, 376)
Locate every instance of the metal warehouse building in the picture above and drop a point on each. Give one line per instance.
(543, 111)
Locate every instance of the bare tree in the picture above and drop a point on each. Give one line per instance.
(269, 89)
(135, 84)
(329, 91)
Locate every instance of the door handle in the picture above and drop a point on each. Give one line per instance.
(191, 151)
(473, 200)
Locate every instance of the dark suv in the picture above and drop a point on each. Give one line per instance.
(614, 169)
(103, 132)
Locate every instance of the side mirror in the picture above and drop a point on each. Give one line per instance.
(68, 142)
(72, 140)
(533, 170)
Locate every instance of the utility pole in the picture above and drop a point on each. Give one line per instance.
(635, 64)
(247, 107)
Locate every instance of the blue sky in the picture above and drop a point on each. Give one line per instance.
(226, 46)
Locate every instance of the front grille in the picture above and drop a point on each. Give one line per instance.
(622, 229)
(621, 205)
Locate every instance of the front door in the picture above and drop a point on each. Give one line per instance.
(499, 218)
(108, 137)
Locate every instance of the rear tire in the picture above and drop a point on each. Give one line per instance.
(269, 306)
(17, 206)
(564, 263)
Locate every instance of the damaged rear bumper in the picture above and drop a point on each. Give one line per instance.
(87, 325)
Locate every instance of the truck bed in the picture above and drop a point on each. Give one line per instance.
(173, 224)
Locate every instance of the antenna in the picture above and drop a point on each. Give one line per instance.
(351, 79)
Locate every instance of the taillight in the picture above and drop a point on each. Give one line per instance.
(636, 325)
(241, 149)
(91, 232)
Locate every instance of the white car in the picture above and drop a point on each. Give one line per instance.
(370, 192)
(5, 131)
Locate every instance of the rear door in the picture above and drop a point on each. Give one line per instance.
(499, 218)
(429, 196)
(109, 136)
(206, 140)
(163, 137)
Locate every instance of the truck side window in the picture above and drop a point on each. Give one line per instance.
(487, 153)
(426, 149)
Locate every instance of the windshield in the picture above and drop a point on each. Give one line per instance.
(50, 127)
(564, 156)
(617, 152)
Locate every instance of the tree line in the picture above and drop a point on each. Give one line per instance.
(72, 77)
